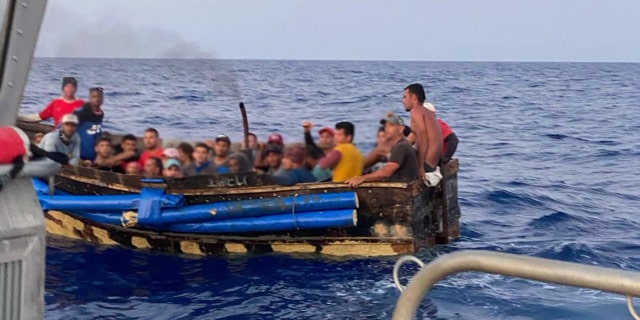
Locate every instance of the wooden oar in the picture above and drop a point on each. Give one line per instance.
(245, 125)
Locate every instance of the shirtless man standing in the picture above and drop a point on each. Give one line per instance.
(425, 128)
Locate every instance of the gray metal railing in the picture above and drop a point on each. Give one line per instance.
(545, 270)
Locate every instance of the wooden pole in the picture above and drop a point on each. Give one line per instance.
(245, 125)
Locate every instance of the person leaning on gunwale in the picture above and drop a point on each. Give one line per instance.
(402, 164)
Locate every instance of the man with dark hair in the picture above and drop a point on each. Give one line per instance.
(126, 152)
(103, 159)
(152, 145)
(345, 159)
(273, 158)
(90, 127)
(200, 165)
(294, 172)
(426, 130)
(185, 156)
(153, 168)
(274, 140)
(379, 154)
(59, 107)
(402, 164)
(222, 148)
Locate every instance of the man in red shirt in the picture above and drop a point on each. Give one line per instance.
(59, 107)
(152, 146)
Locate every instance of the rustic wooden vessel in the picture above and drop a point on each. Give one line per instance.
(393, 217)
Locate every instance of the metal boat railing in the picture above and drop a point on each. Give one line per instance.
(532, 268)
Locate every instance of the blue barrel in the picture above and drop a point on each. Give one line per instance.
(260, 207)
(280, 222)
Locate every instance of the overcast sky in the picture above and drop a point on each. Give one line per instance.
(424, 30)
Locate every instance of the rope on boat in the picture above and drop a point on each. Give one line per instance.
(399, 263)
(293, 212)
(632, 310)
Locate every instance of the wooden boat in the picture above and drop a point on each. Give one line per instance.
(392, 217)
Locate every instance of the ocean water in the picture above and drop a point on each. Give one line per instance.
(549, 167)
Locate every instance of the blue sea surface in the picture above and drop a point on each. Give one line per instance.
(549, 167)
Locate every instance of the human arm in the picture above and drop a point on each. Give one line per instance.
(259, 162)
(434, 140)
(372, 157)
(34, 117)
(330, 160)
(452, 146)
(312, 148)
(384, 173)
(121, 157)
(420, 132)
(47, 112)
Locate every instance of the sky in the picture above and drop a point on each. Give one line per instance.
(416, 30)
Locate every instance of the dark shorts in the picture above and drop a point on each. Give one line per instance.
(427, 168)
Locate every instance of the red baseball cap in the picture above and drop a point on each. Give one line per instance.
(276, 138)
(328, 130)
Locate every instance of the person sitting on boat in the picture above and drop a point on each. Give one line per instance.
(402, 164)
(152, 146)
(172, 169)
(59, 107)
(294, 171)
(274, 160)
(185, 155)
(233, 164)
(90, 127)
(275, 140)
(37, 138)
(223, 155)
(316, 152)
(127, 152)
(345, 159)
(253, 146)
(64, 140)
(170, 153)
(132, 168)
(201, 164)
(153, 168)
(449, 137)
(104, 159)
(325, 141)
(222, 148)
(377, 157)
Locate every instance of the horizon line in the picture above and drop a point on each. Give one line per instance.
(339, 60)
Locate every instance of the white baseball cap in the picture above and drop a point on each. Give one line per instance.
(69, 118)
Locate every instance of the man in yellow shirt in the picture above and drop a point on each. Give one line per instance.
(345, 159)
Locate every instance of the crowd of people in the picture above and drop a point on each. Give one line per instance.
(401, 152)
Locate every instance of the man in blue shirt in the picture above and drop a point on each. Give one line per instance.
(294, 172)
(90, 123)
(200, 165)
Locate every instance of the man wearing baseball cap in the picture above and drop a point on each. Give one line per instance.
(345, 159)
(403, 162)
(59, 107)
(65, 139)
(172, 169)
(274, 140)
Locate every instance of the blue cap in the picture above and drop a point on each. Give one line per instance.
(172, 162)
